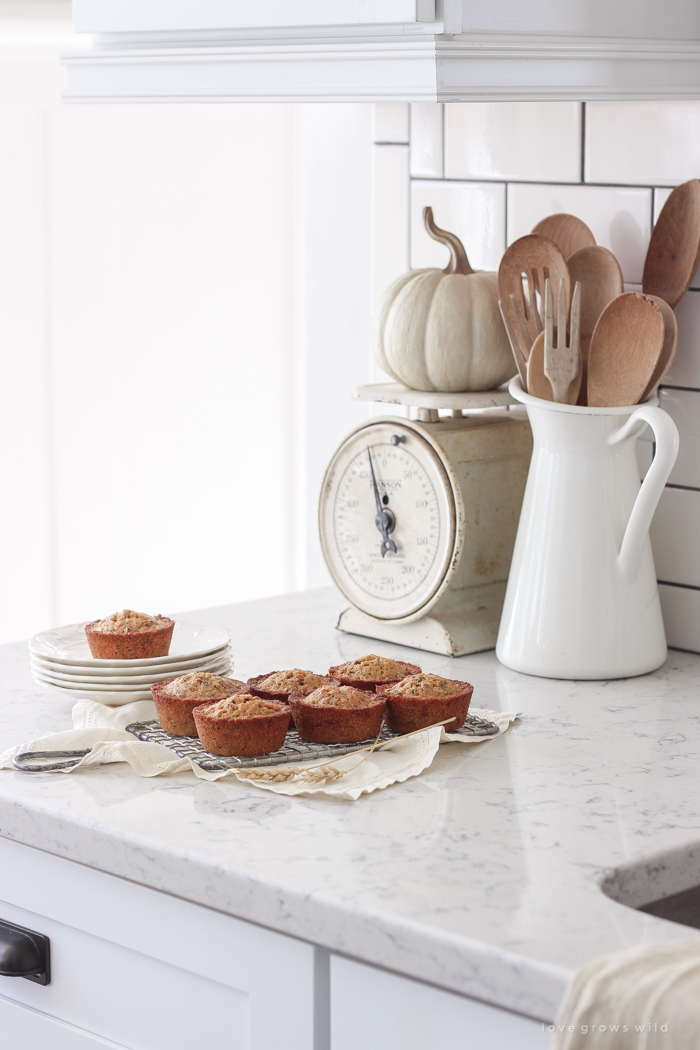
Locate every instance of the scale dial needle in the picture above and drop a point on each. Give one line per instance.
(384, 520)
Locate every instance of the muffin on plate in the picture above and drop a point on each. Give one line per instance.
(337, 714)
(242, 725)
(129, 635)
(176, 698)
(421, 700)
(367, 672)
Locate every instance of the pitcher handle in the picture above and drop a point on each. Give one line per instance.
(666, 437)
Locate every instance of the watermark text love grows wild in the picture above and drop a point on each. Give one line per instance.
(585, 1029)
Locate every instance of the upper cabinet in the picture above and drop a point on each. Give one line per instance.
(384, 50)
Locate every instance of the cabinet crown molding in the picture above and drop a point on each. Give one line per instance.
(383, 50)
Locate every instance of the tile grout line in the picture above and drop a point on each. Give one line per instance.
(583, 143)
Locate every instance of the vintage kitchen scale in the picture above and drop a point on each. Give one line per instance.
(418, 517)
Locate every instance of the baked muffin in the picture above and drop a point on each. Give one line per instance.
(337, 714)
(277, 685)
(242, 725)
(129, 635)
(176, 698)
(421, 700)
(367, 672)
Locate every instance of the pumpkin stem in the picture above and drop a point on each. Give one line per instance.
(458, 257)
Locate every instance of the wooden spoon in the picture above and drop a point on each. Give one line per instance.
(601, 281)
(625, 349)
(568, 233)
(535, 258)
(673, 254)
(669, 349)
(537, 383)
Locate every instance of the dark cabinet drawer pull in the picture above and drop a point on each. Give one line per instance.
(23, 953)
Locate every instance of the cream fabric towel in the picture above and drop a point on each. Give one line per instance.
(103, 729)
(647, 998)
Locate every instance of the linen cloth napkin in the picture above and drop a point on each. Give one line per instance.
(102, 729)
(645, 998)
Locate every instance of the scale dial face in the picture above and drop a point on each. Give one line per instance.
(387, 520)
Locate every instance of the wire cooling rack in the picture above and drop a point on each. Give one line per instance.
(294, 749)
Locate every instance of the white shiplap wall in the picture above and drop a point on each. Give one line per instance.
(491, 171)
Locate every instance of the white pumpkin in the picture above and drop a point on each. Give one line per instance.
(442, 329)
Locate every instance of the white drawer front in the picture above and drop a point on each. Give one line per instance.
(30, 1030)
(151, 971)
(375, 1010)
(128, 997)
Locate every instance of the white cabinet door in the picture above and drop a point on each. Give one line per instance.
(149, 971)
(118, 16)
(377, 1010)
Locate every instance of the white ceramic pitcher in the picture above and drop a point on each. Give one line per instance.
(582, 600)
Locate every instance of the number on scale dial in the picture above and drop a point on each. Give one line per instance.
(387, 520)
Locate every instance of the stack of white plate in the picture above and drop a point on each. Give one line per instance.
(61, 658)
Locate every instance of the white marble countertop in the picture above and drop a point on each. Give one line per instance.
(482, 875)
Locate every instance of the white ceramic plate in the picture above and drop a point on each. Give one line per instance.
(128, 676)
(110, 699)
(68, 645)
(219, 666)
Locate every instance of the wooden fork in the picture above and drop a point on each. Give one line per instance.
(562, 361)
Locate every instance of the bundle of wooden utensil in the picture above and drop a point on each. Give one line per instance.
(605, 346)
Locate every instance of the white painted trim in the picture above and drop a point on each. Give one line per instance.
(358, 71)
(361, 67)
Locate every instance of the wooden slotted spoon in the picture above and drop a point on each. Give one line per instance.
(568, 233)
(534, 258)
(627, 343)
(673, 254)
(600, 276)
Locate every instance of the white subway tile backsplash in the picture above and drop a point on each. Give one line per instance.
(661, 195)
(391, 122)
(390, 217)
(642, 143)
(675, 537)
(684, 408)
(681, 611)
(480, 164)
(426, 140)
(685, 370)
(532, 141)
(619, 217)
(475, 211)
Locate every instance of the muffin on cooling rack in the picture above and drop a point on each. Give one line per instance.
(277, 685)
(421, 700)
(367, 672)
(242, 725)
(129, 635)
(176, 698)
(337, 714)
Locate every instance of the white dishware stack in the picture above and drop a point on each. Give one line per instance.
(61, 658)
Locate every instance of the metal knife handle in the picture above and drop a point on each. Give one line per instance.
(47, 761)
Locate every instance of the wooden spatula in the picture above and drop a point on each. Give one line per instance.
(601, 281)
(625, 349)
(568, 233)
(669, 348)
(673, 254)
